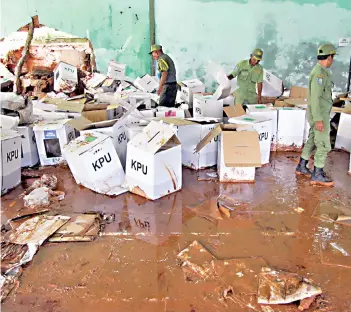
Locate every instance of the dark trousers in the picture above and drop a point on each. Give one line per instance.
(168, 95)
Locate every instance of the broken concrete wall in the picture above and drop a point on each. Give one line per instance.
(111, 27)
(227, 31)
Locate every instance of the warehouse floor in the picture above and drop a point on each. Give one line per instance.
(126, 271)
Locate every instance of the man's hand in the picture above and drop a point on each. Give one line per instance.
(319, 126)
(259, 100)
(159, 91)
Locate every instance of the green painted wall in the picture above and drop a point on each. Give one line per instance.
(196, 31)
(226, 31)
(108, 24)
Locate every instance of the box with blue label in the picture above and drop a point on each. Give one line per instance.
(94, 163)
(10, 160)
(51, 137)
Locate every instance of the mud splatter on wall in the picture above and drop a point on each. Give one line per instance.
(112, 26)
(226, 31)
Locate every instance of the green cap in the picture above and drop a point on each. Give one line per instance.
(257, 54)
(327, 49)
(155, 47)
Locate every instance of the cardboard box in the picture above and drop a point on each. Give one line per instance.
(343, 137)
(189, 87)
(190, 132)
(291, 128)
(94, 163)
(116, 70)
(146, 83)
(29, 151)
(266, 111)
(154, 162)
(298, 93)
(139, 115)
(112, 112)
(139, 98)
(10, 160)
(206, 106)
(238, 153)
(170, 113)
(51, 137)
(112, 128)
(65, 77)
(152, 224)
(263, 126)
(272, 85)
(133, 130)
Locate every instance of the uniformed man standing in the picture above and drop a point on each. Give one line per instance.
(249, 73)
(319, 107)
(168, 82)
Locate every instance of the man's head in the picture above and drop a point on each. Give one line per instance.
(256, 56)
(326, 53)
(156, 51)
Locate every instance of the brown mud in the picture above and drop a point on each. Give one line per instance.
(133, 267)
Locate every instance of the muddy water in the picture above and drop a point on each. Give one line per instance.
(133, 267)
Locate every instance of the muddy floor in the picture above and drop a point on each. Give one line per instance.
(132, 267)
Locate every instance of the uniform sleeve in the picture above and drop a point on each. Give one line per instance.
(317, 87)
(260, 77)
(162, 66)
(236, 70)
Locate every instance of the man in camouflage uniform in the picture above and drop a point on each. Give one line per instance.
(249, 73)
(319, 107)
(168, 81)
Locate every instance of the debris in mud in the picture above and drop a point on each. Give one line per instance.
(337, 253)
(306, 303)
(9, 282)
(332, 212)
(46, 180)
(299, 210)
(196, 262)
(35, 230)
(208, 175)
(278, 287)
(208, 209)
(41, 197)
(80, 228)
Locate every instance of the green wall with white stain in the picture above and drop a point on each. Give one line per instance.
(226, 31)
(110, 25)
(196, 31)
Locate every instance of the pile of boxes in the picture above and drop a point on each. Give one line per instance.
(116, 139)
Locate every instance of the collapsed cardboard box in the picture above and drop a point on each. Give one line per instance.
(94, 163)
(266, 111)
(263, 126)
(154, 162)
(205, 106)
(146, 83)
(112, 128)
(238, 153)
(138, 116)
(110, 113)
(343, 137)
(29, 151)
(148, 224)
(190, 132)
(291, 128)
(65, 77)
(272, 85)
(116, 70)
(51, 137)
(188, 88)
(10, 160)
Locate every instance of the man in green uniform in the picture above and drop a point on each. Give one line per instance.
(249, 73)
(319, 107)
(167, 75)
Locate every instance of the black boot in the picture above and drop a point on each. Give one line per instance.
(302, 169)
(319, 177)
